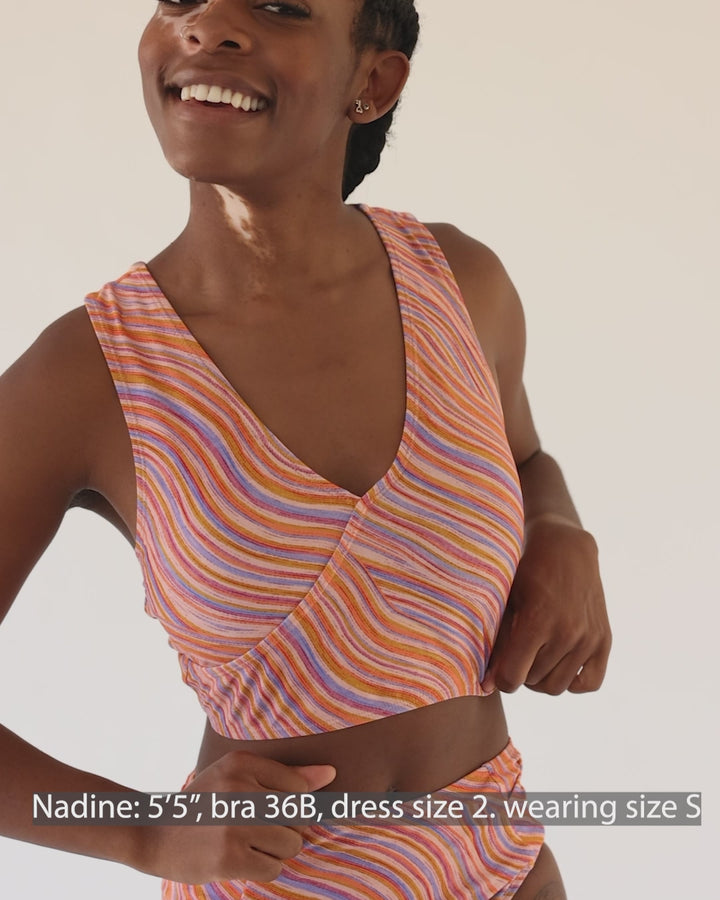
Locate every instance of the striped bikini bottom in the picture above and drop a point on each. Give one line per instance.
(402, 861)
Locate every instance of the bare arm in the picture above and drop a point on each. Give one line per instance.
(54, 403)
(47, 404)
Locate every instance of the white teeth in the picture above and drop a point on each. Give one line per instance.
(216, 94)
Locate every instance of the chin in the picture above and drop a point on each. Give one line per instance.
(206, 170)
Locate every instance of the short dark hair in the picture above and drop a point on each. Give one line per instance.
(386, 25)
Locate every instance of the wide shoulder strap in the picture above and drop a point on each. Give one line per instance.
(436, 295)
(122, 316)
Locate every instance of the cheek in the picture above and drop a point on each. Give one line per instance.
(144, 47)
(154, 51)
(316, 87)
(154, 47)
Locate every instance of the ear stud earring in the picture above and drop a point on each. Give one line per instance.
(361, 107)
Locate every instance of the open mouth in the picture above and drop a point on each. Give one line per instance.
(217, 96)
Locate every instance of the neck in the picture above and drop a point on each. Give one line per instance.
(237, 245)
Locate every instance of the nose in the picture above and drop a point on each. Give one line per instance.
(219, 24)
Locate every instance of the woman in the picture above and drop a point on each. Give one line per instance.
(288, 413)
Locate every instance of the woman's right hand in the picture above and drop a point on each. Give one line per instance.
(198, 854)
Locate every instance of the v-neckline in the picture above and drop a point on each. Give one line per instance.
(397, 266)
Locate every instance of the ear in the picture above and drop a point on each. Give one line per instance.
(381, 86)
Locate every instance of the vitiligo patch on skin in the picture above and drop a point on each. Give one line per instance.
(237, 213)
(238, 216)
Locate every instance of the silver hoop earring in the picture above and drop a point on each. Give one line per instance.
(361, 107)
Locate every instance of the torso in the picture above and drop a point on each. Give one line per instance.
(329, 382)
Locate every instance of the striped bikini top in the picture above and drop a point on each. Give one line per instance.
(295, 606)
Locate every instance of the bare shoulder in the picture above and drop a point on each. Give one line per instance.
(60, 384)
(465, 254)
(489, 294)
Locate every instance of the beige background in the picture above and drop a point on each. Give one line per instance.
(580, 140)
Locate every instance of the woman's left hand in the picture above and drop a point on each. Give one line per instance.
(555, 634)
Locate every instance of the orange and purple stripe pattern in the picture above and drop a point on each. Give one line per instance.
(295, 606)
(389, 861)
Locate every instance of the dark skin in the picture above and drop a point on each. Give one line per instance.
(304, 323)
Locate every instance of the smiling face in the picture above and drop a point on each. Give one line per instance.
(241, 92)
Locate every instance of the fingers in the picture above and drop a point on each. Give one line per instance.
(258, 866)
(277, 841)
(266, 847)
(577, 671)
(259, 772)
(517, 645)
(555, 634)
(252, 850)
(511, 667)
(200, 854)
(560, 676)
(593, 672)
(566, 662)
(316, 776)
(259, 852)
(562, 656)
